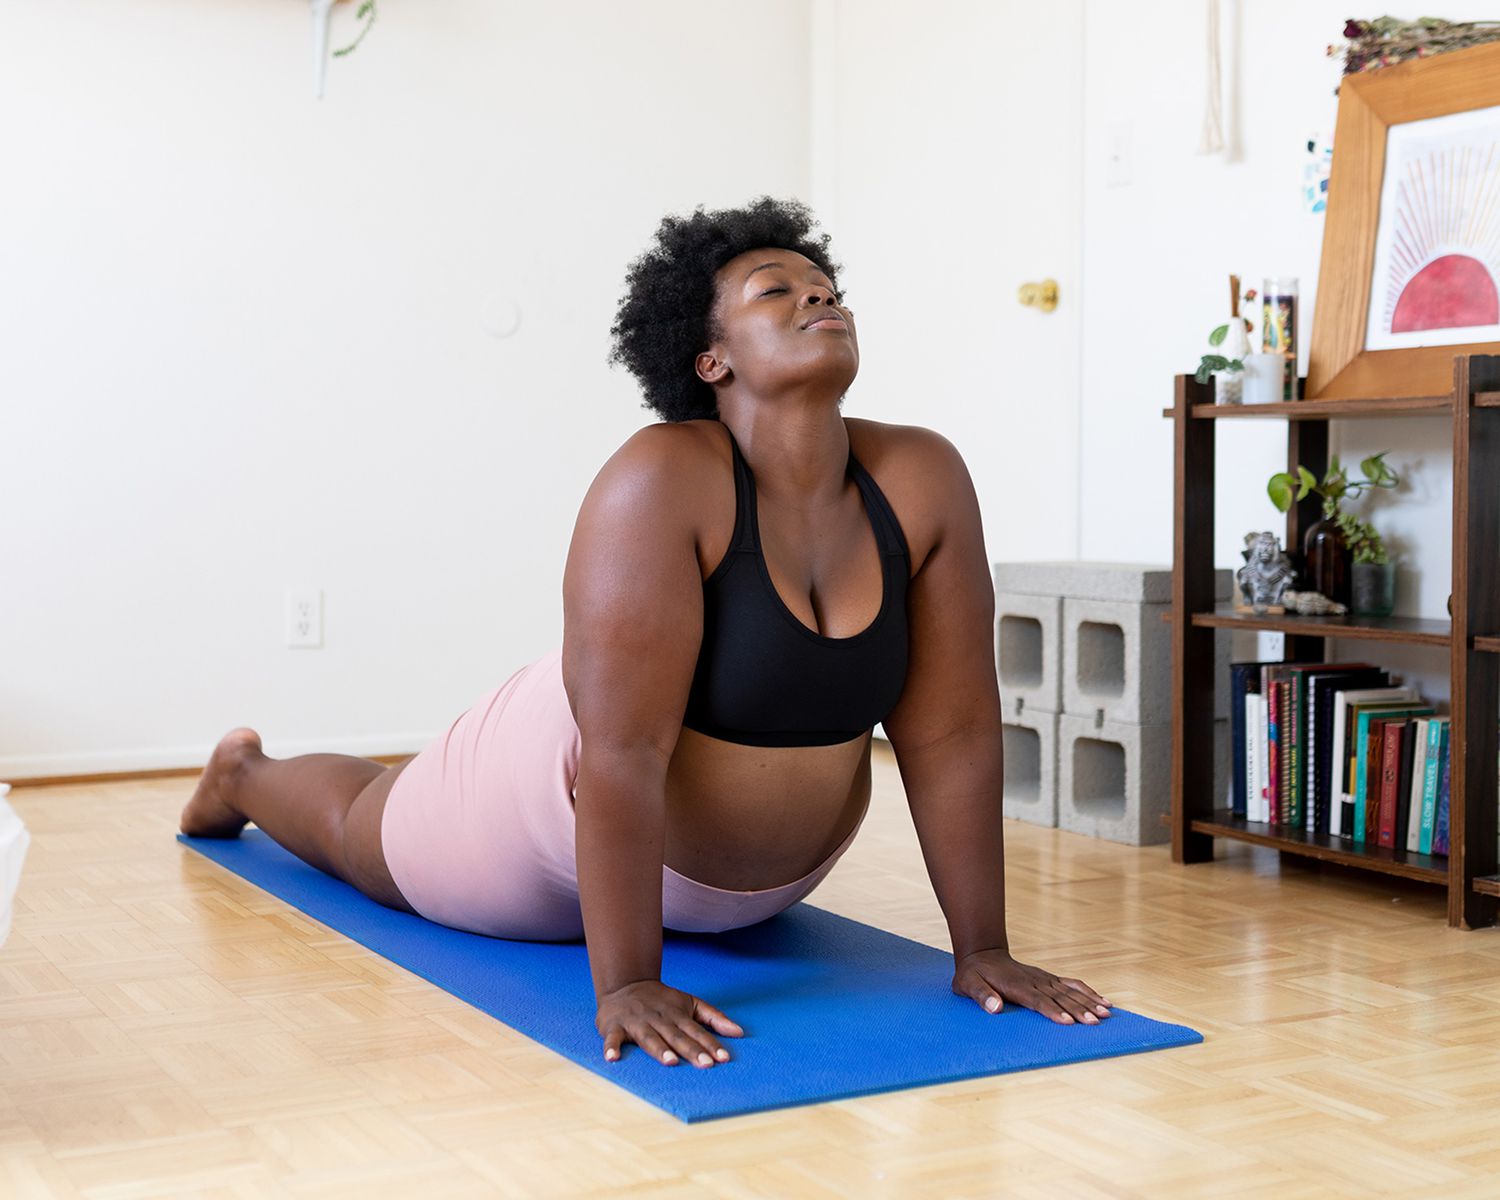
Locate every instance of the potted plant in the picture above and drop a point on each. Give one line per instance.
(1372, 577)
(1227, 368)
(1329, 545)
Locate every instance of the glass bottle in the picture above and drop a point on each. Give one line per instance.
(1327, 557)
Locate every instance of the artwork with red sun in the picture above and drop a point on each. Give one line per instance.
(1437, 252)
(1451, 292)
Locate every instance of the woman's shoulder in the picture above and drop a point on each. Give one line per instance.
(682, 452)
(910, 458)
(921, 473)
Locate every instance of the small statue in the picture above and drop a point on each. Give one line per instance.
(1267, 573)
(1312, 604)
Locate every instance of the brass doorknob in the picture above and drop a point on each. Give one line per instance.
(1040, 295)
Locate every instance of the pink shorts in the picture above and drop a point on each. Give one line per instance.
(478, 829)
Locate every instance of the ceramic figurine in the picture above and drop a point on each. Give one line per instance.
(1267, 573)
(1312, 604)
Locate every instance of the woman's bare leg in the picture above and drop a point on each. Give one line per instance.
(325, 808)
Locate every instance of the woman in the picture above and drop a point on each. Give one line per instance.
(741, 606)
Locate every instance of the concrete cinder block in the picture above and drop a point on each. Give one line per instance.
(1114, 778)
(1028, 650)
(1117, 662)
(1031, 767)
(1129, 583)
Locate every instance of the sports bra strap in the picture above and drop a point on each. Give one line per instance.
(746, 529)
(893, 540)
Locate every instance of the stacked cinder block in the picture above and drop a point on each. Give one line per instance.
(1086, 683)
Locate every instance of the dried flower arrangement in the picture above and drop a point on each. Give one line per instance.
(1385, 41)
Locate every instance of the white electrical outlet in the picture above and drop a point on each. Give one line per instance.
(304, 618)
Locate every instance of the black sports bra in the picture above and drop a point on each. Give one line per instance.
(763, 677)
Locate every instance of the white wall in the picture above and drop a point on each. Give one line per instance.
(245, 344)
(947, 168)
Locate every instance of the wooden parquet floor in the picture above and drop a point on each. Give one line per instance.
(167, 1030)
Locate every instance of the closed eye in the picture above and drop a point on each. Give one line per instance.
(837, 299)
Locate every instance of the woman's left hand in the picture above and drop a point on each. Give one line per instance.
(991, 977)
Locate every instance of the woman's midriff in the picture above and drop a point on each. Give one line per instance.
(751, 817)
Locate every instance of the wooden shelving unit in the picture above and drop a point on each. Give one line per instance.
(1470, 872)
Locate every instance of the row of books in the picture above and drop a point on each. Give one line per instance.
(1341, 750)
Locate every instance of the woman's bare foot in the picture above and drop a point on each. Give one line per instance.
(211, 811)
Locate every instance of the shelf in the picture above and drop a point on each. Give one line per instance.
(1322, 410)
(1487, 399)
(1428, 868)
(1416, 631)
(1492, 644)
(1487, 885)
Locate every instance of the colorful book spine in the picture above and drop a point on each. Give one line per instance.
(1431, 783)
(1284, 727)
(1262, 752)
(1440, 822)
(1390, 771)
(1273, 755)
(1295, 739)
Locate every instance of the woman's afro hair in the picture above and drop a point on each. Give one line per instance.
(665, 317)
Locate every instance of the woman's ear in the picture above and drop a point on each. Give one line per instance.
(711, 368)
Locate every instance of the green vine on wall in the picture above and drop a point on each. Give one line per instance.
(366, 13)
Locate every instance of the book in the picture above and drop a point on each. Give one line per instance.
(1300, 735)
(1283, 750)
(1391, 734)
(1363, 772)
(1262, 751)
(1324, 687)
(1254, 728)
(1244, 677)
(1287, 752)
(1440, 819)
(1401, 806)
(1341, 765)
(1409, 832)
(1273, 748)
(1373, 767)
(1432, 784)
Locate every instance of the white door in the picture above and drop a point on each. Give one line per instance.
(947, 166)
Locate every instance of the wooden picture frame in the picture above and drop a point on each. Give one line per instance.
(1340, 366)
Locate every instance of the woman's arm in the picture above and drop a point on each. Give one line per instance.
(633, 623)
(947, 732)
(947, 728)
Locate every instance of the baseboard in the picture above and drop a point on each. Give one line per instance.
(100, 766)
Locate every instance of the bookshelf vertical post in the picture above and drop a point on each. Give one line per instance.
(1192, 646)
(1475, 673)
(1307, 446)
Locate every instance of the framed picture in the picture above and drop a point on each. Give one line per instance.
(1410, 273)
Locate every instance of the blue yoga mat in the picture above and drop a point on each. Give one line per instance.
(831, 1008)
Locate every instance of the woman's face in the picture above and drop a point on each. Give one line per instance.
(780, 324)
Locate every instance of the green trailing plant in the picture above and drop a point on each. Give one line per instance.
(366, 13)
(1362, 540)
(1217, 362)
(1335, 487)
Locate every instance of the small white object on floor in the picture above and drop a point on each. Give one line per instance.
(13, 842)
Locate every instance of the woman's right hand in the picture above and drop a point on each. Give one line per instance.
(666, 1023)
